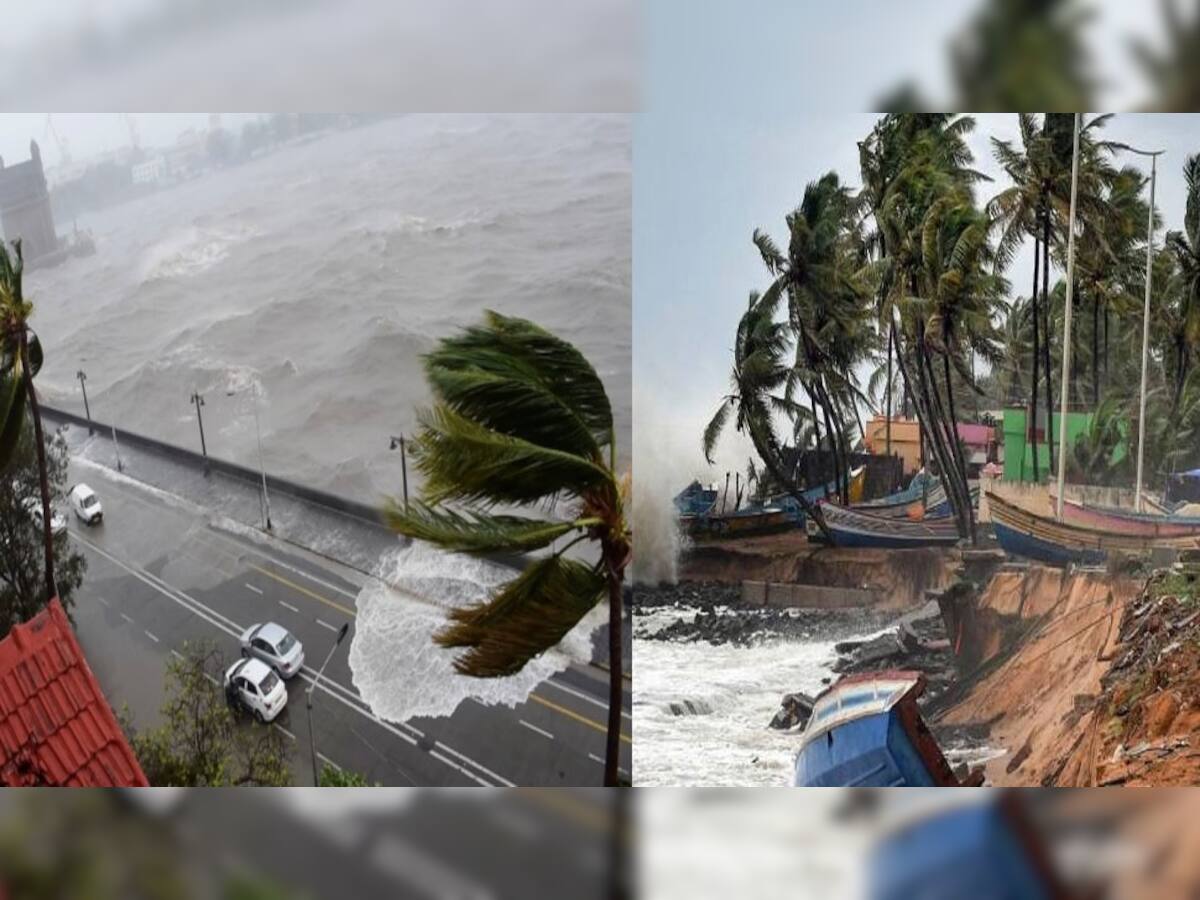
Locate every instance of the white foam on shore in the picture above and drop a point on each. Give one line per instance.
(396, 667)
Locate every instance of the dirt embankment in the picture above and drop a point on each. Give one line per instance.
(1144, 728)
(1034, 647)
(901, 577)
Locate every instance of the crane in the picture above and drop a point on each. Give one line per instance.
(64, 152)
(131, 124)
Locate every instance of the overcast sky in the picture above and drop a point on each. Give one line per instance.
(704, 181)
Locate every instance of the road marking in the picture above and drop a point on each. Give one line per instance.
(289, 606)
(332, 688)
(284, 730)
(540, 731)
(126, 618)
(152, 637)
(302, 589)
(583, 696)
(212, 678)
(102, 600)
(326, 759)
(176, 653)
(590, 723)
(253, 588)
(325, 624)
(594, 758)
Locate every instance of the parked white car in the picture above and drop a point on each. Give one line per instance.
(253, 685)
(58, 522)
(86, 504)
(274, 645)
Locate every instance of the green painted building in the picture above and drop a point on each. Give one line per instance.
(1018, 452)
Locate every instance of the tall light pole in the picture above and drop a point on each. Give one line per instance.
(198, 401)
(1065, 381)
(399, 442)
(1153, 154)
(312, 744)
(82, 376)
(261, 466)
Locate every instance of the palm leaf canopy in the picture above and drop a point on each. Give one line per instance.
(519, 417)
(14, 314)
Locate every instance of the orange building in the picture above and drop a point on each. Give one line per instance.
(979, 440)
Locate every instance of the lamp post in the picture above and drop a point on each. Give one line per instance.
(1066, 354)
(312, 744)
(1153, 154)
(261, 466)
(198, 401)
(399, 442)
(82, 376)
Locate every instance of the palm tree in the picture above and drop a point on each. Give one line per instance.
(20, 361)
(827, 303)
(760, 376)
(521, 418)
(1185, 248)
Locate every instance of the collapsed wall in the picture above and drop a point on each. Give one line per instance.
(900, 578)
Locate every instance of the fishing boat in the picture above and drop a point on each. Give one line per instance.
(1126, 521)
(854, 528)
(1024, 533)
(741, 522)
(866, 731)
(959, 844)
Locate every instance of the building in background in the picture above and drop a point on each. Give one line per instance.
(25, 206)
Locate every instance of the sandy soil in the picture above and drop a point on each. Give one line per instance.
(1038, 681)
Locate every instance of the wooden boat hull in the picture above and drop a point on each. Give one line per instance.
(866, 731)
(1023, 533)
(1150, 525)
(852, 528)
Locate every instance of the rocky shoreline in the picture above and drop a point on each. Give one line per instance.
(712, 612)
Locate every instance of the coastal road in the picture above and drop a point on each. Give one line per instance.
(160, 576)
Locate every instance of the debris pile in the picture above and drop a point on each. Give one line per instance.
(1147, 722)
(917, 643)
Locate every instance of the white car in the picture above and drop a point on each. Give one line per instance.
(86, 504)
(253, 685)
(274, 645)
(58, 522)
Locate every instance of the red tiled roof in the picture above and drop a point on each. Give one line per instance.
(55, 725)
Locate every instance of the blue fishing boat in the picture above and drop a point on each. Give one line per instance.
(854, 528)
(1041, 538)
(866, 731)
(962, 844)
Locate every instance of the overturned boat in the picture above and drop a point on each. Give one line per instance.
(866, 731)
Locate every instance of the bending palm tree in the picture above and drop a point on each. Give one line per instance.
(759, 374)
(20, 360)
(520, 417)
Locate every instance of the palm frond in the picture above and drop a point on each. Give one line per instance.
(524, 618)
(462, 460)
(473, 532)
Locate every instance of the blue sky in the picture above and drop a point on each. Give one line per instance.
(704, 180)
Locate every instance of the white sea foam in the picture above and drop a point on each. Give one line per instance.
(732, 745)
(397, 668)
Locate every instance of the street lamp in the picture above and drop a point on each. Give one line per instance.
(399, 442)
(312, 744)
(198, 401)
(1153, 154)
(261, 467)
(82, 376)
